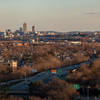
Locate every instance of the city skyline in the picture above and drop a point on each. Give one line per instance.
(51, 15)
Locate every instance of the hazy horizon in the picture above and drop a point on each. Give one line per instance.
(51, 15)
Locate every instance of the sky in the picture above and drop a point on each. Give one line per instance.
(51, 15)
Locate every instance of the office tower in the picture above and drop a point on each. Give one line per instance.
(21, 29)
(33, 29)
(25, 28)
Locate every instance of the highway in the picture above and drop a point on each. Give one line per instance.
(45, 77)
(11, 82)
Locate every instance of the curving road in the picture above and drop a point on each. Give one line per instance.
(45, 76)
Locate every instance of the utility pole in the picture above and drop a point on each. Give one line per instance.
(25, 75)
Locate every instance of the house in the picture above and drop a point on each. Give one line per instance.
(1, 59)
(13, 64)
(75, 42)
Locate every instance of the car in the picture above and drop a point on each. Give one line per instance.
(74, 70)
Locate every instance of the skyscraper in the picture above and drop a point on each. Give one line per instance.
(25, 28)
(33, 29)
(21, 29)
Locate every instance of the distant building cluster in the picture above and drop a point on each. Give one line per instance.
(18, 33)
(47, 36)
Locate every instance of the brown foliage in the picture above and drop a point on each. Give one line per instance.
(87, 73)
(58, 90)
(47, 62)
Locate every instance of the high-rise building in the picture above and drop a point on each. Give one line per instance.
(33, 28)
(25, 28)
(21, 29)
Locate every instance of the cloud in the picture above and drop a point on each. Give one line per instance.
(90, 13)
